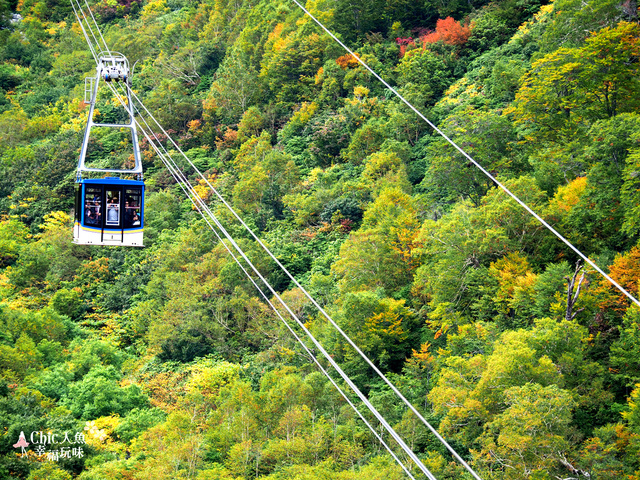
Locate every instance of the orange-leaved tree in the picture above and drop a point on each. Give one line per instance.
(448, 31)
(625, 270)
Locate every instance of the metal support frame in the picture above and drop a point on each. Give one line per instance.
(111, 67)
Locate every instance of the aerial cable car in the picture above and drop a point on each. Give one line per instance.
(109, 210)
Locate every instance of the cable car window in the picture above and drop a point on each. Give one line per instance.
(93, 206)
(132, 207)
(113, 207)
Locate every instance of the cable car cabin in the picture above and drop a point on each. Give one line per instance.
(109, 211)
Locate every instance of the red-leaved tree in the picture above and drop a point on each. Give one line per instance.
(449, 31)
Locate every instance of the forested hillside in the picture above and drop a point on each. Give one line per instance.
(164, 362)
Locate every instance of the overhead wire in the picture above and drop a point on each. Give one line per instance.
(84, 32)
(474, 162)
(319, 308)
(180, 181)
(173, 170)
(329, 358)
(306, 293)
(450, 141)
(106, 46)
(202, 208)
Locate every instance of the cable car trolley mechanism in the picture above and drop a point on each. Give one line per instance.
(109, 210)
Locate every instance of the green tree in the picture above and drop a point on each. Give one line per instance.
(161, 211)
(422, 89)
(171, 449)
(531, 437)
(568, 89)
(574, 21)
(383, 328)
(600, 455)
(290, 64)
(16, 362)
(473, 390)
(629, 194)
(384, 170)
(51, 259)
(454, 251)
(173, 105)
(379, 253)
(13, 235)
(236, 87)
(49, 471)
(486, 136)
(262, 186)
(625, 352)
(98, 394)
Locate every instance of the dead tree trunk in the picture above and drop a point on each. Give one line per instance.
(572, 297)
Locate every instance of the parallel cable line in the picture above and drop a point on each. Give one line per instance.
(97, 28)
(189, 195)
(176, 174)
(489, 175)
(318, 307)
(201, 206)
(329, 358)
(84, 31)
(468, 157)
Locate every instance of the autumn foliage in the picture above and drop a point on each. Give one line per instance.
(175, 366)
(347, 61)
(448, 31)
(626, 272)
(404, 43)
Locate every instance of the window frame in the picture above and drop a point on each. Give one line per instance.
(92, 189)
(135, 191)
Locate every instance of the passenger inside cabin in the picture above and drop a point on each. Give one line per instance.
(92, 218)
(112, 214)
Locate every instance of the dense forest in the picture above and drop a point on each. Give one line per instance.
(164, 362)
